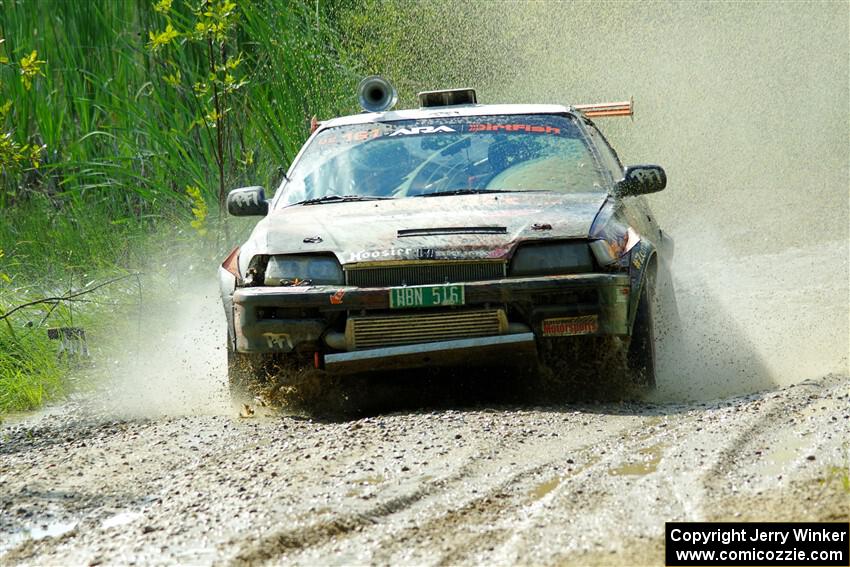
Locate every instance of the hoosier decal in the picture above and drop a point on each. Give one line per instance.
(570, 326)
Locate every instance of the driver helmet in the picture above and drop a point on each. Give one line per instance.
(379, 167)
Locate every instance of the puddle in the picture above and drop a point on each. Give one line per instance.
(646, 463)
(545, 488)
(819, 408)
(777, 461)
(18, 417)
(370, 480)
(40, 531)
(356, 486)
(120, 519)
(29, 417)
(55, 529)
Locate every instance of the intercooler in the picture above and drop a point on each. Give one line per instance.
(394, 330)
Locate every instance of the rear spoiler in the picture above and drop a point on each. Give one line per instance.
(602, 109)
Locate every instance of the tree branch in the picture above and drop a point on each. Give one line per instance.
(67, 297)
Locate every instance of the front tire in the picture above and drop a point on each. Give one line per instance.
(244, 372)
(277, 379)
(640, 358)
(583, 368)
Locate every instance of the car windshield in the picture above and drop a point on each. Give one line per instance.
(414, 158)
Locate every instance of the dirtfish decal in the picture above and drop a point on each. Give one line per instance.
(422, 130)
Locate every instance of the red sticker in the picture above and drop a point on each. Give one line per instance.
(336, 299)
(570, 326)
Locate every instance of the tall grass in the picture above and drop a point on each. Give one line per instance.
(121, 143)
(125, 131)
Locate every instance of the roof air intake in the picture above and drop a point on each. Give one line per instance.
(451, 97)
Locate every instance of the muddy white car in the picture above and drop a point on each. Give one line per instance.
(455, 233)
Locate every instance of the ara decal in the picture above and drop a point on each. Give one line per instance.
(422, 130)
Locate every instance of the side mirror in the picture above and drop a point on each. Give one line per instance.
(247, 201)
(641, 179)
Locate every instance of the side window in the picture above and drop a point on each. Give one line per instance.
(606, 152)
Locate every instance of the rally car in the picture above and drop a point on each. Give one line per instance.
(456, 233)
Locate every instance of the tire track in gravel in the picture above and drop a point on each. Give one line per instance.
(455, 520)
(280, 543)
(570, 484)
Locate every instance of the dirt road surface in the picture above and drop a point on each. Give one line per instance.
(574, 484)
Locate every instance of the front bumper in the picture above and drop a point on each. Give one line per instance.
(283, 319)
(469, 352)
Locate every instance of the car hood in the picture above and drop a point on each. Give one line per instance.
(449, 227)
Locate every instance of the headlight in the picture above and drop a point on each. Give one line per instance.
(303, 270)
(615, 241)
(552, 258)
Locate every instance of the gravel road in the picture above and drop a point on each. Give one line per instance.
(570, 484)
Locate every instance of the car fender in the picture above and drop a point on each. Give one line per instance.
(227, 285)
(641, 257)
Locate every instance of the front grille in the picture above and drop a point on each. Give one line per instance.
(395, 330)
(424, 273)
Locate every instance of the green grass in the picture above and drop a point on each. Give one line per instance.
(31, 373)
(123, 140)
(120, 144)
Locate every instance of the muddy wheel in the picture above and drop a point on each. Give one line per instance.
(294, 382)
(583, 368)
(244, 372)
(641, 354)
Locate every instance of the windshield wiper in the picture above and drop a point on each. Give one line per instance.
(468, 192)
(339, 199)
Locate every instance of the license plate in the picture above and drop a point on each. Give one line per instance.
(570, 326)
(426, 296)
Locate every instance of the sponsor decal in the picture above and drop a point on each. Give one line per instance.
(336, 298)
(348, 137)
(514, 128)
(570, 326)
(388, 253)
(427, 254)
(639, 257)
(497, 253)
(422, 130)
(278, 341)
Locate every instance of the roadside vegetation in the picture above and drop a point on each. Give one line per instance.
(122, 122)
